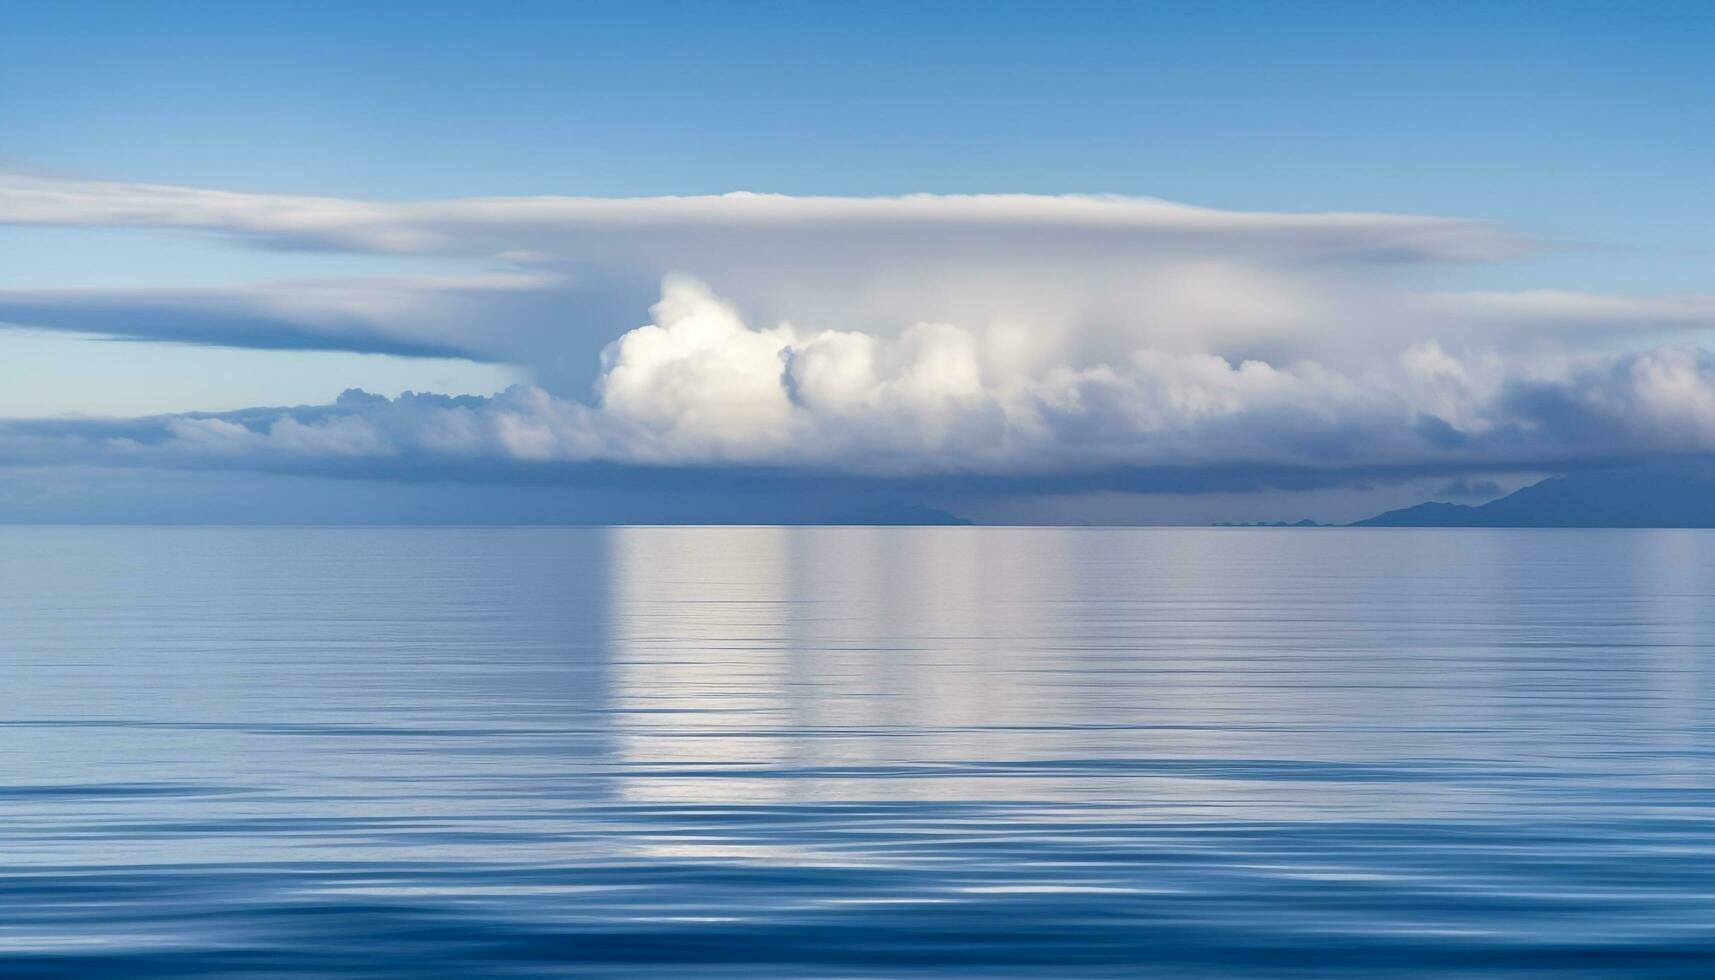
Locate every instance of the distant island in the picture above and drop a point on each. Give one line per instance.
(1665, 493)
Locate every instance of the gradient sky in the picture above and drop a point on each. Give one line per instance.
(1583, 133)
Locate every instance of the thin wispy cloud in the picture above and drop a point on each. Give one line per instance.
(606, 226)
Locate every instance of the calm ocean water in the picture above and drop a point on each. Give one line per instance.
(857, 752)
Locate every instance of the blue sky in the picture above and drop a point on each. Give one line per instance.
(1583, 130)
(1583, 120)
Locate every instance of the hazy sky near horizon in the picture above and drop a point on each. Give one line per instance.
(1088, 261)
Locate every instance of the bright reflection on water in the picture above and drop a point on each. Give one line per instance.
(856, 752)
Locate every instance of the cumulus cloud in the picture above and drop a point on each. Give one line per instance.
(1003, 336)
(700, 386)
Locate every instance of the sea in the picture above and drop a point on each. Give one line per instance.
(856, 752)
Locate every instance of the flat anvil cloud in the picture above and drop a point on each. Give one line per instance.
(1008, 336)
(1100, 274)
(603, 225)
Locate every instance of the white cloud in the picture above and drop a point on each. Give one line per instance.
(700, 386)
(575, 226)
(423, 315)
(1559, 309)
(1074, 277)
(978, 334)
(1074, 280)
(704, 383)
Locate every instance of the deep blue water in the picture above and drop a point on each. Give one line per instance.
(857, 752)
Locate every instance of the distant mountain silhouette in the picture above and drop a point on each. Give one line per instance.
(1665, 493)
(906, 515)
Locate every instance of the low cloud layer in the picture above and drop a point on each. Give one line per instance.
(700, 387)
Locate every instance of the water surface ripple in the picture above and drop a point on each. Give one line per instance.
(856, 752)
